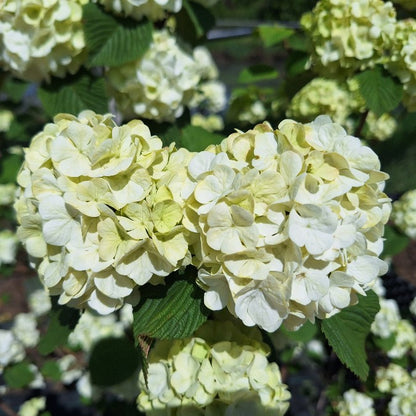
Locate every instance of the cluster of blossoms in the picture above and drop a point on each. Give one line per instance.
(379, 128)
(402, 62)
(222, 370)
(347, 36)
(100, 209)
(8, 247)
(290, 222)
(396, 381)
(165, 80)
(404, 213)
(355, 403)
(41, 38)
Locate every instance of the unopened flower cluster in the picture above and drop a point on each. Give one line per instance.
(99, 209)
(404, 213)
(221, 370)
(165, 80)
(355, 403)
(401, 385)
(41, 39)
(290, 222)
(349, 35)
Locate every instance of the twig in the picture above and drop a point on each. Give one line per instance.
(360, 126)
(7, 410)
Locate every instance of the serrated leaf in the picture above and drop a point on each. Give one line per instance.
(62, 320)
(112, 361)
(74, 94)
(193, 22)
(18, 375)
(381, 92)
(256, 73)
(170, 311)
(385, 344)
(395, 242)
(347, 331)
(113, 41)
(196, 138)
(51, 370)
(272, 35)
(304, 334)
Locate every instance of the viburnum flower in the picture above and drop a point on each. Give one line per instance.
(289, 222)
(222, 369)
(348, 36)
(137, 9)
(100, 209)
(404, 213)
(379, 128)
(159, 84)
(402, 62)
(42, 38)
(355, 403)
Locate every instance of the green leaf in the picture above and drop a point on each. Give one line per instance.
(15, 89)
(113, 41)
(256, 73)
(385, 344)
(112, 361)
(193, 22)
(196, 138)
(74, 94)
(395, 241)
(347, 331)
(51, 370)
(62, 320)
(18, 375)
(272, 35)
(170, 311)
(9, 166)
(304, 334)
(381, 92)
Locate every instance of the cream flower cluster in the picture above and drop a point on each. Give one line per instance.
(158, 85)
(40, 38)
(401, 385)
(99, 209)
(321, 96)
(355, 403)
(221, 370)
(349, 35)
(404, 213)
(137, 9)
(8, 247)
(380, 128)
(290, 222)
(403, 60)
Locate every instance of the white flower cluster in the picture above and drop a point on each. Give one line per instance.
(158, 85)
(380, 128)
(349, 35)
(220, 370)
(290, 222)
(404, 213)
(6, 118)
(100, 209)
(137, 9)
(8, 247)
(11, 349)
(396, 381)
(33, 406)
(403, 60)
(355, 403)
(40, 38)
(7, 193)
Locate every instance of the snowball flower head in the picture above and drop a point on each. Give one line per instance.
(137, 9)
(289, 222)
(349, 35)
(404, 213)
(41, 38)
(99, 209)
(321, 96)
(355, 403)
(221, 370)
(380, 128)
(403, 60)
(159, 84)
(11, 349)
(8, 247)
(7, 193)
(387, 318)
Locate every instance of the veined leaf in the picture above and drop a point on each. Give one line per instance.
(170, 311)
(196, 138)
(112, 41)
(256, 73)
(62, 321)
(74, 94)
(18, 375)
(347, 331)
(272, 35)
(381, 92)
(395, 242)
